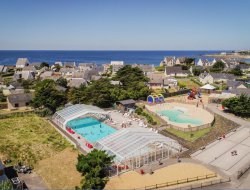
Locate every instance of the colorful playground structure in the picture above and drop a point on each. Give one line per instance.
(194, 94)
(155, 98)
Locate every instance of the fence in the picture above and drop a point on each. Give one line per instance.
(204, 184)
(178, 182)
(180, 92)
(189, 129)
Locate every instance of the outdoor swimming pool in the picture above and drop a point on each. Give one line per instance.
(179, 116)
(90, 128)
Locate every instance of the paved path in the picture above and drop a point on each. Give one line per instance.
(218, 153)
(241, 122)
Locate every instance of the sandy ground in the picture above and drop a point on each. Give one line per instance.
(132, 179)
(59, 171)
(189, 110)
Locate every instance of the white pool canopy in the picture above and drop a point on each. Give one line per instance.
(131, 143)
(208, 87)
(72, 112)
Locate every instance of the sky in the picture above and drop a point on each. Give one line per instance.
(124, 24)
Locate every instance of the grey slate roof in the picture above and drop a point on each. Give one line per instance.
(14, 98)
(176, 70)
(127, 102)
(76, 82)
(223, 76)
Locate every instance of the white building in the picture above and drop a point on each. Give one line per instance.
(117, 62)
(22, 62)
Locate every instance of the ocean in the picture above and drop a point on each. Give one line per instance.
(8, 57)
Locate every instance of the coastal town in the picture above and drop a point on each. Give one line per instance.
(182, 124)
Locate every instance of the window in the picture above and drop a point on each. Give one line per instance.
(27, 104)
(16, 105)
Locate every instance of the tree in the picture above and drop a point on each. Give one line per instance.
(237, 71)
(62, 82)
(2, 97)
(94, 166)
(218, 66)
(238, 105)
(44, 64)
(47, 96)
(189, 61)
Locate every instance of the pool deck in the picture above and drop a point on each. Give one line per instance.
(192, 111)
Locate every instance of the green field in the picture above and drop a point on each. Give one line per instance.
(189, 136)
(29, 139)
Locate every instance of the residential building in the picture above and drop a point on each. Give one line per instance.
(3, 69)
(26, 75)
(69, 64)
(157, 80)
(76, 82)
(168, 61)
(176, 72)
(215, 77)
(231, 84)
(17, 101)
(22, 62)
(204, 63)
(180, 61)
(116, 63)
(146, 68)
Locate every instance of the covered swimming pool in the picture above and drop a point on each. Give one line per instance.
(90, 128)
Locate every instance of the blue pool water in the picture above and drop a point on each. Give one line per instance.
(180, 117)
(90, 128)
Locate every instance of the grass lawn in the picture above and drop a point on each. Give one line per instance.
(59, 171)
(188, 83)
(187, 135)
(29, 139)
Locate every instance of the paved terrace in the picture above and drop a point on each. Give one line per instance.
(218, 153)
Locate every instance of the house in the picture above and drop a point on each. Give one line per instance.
(30, 68)
(3, 69)
(22, 62)
(59, 63)
(76, 82)
(16, 101)
(146, 68)
(26, 75)
(168, 61)
(176, 72)
(215, 77)
(116, 63)
(106, 67)
(87, 66)
(46, 75)
(160, 81)
(125, 105)
(68, 71)
(180, 61)
(231, 84)
(69, 64)
(82, 74)
(230, 63)
(204, 63)
(239, 91)
(244, 67)
(37, 65)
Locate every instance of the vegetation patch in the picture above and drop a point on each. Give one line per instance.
(28, 139)
(189, 136)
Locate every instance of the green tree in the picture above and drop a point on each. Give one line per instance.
(218, 67)
(238, 105)
(44, 64)
(94, 166)
(237, 71)
(62, 82)
(47, 96)
(2, 97)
